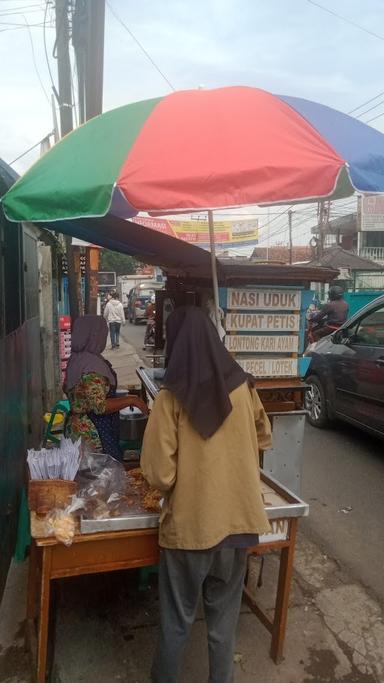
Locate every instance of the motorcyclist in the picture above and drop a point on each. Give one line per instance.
(332, 315)
(150, 310)
(150, 329)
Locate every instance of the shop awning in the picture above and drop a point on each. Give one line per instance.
(143, 243)
(179, 258)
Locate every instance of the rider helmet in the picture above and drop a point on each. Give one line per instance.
(335, 292)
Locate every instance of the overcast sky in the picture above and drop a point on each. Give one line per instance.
(285, 46)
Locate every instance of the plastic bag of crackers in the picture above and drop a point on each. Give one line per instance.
(62, 523)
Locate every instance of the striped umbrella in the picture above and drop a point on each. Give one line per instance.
(198, 149)
(201, 149)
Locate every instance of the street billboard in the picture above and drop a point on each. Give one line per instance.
(227, 233)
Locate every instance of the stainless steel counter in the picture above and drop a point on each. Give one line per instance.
(280, 504)
(151, 379)
(284, 460)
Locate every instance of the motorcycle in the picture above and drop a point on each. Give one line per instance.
(150, 332)
(316, 331)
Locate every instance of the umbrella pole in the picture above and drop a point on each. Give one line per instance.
(214, 268)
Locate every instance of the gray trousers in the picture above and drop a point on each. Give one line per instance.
(185, 575)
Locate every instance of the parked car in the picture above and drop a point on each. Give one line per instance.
(346, 374)
(138, 300)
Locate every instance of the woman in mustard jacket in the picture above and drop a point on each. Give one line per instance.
(201, 449)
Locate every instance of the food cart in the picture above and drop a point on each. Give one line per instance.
(264, 317)
(184, 144)
(131, 541)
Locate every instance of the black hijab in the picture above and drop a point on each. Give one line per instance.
(200, 371)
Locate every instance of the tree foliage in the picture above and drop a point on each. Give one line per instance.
(121, 264)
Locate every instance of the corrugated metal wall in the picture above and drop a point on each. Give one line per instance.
(13, 439)
(20, 374)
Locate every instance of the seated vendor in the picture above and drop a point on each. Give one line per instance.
(90, 384)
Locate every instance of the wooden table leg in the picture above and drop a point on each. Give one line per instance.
(30, 632)
(282, 597)
(32, 581)
(42, 638)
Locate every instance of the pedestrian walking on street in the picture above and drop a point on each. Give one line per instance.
(201, 449)
(114, 315)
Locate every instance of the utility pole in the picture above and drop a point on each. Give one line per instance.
(66, 125)
(56, 133)
(88, 20)
(321, 228)
(323, 214)
(95, 60)
(290, 235)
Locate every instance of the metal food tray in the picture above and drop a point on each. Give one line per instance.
(285, 504)
(152, 379)
(145, 520)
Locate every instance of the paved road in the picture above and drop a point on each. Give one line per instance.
(134, 334)
(343, 468)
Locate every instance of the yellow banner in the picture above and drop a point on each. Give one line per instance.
(197, 231)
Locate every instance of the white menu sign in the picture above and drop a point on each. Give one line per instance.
(272, 299)
(279, 531)
(270, 367)
(253, 322)
(262, 343)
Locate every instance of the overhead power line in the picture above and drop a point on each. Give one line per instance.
(280, 231)
(30, 149)
(348, 21)
(283, 230)
(310, 220)
(20, 27)
(375, 117)
(7, 12)
(279, 215)
(46, 49)
(14, 23)
(363, 104)
(142, 48)
(34, 59)
(366, 111)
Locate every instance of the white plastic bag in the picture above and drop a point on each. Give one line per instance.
(61, 523)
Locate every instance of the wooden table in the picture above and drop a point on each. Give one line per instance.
(104, 552)
(89, 554)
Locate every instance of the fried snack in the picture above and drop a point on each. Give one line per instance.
(149, 497)
(101, 510)
(138, 483)
(64, 528)
(136, 473)
(151, 500)
(124, 504)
